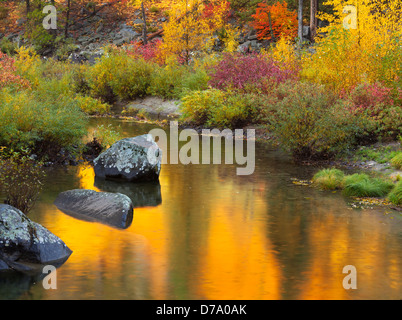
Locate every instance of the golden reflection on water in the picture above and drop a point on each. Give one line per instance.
(234, 239)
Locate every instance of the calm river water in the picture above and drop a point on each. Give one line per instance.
(206, 233)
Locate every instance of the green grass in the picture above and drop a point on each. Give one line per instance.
(380, 155)
(329, 179)
(396, 194)
(361, 185)
(396, 161)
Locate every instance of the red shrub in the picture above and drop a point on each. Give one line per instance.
(248, 71)
(371, 97)
(8, 76)
(149, 52)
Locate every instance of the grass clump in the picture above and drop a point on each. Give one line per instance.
(380, 154)
(396, 161)
(329, 179)
(361, 185)
(396, 194)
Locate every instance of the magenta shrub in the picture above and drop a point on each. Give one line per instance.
(370, 96)
(248, 72)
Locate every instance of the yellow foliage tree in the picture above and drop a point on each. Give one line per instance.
(362, 44)
(191, 26)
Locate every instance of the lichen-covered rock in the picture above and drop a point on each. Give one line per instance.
(114, 209)
(130, 159)
(25, 244)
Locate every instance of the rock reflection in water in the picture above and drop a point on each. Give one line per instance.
(14, 284)
(145, 194)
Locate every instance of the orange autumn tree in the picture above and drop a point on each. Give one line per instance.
(275, 20)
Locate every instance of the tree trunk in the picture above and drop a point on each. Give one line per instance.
(28, 5)
(313, 18)
(53, 32)
(67, 18)
(144, 28)
(300, 20)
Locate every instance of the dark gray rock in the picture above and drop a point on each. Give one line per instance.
(128, 34)
(244, 47)
(130, 159)
(77, 58)
(138, 21)
(119, 42)
(114, 209)
(99, 28)
(253, 37)
(306, 32)
(83, 39)
(146, 194)
(3, 265)
(25, 245)
(94, 58)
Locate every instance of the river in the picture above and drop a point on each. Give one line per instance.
(207, 233)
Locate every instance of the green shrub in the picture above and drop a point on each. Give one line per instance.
(197, 107)
(396, 194)
(216, 108)
(195, 80)
(329, 179)
(91, 106)
(21, 179)
(7, 46)
(310, 123)
(166, 81)
(361, 185)
(106, 135)
(64, 48)
(40, 121)
(117, 75)
(396, 161)
(79, 82)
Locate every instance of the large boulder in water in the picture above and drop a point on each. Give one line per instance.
(130, 159)
(114, 209)
(25, 245)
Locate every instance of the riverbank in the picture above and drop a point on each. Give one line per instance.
(374, 158)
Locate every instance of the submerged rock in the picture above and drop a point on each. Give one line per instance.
(130, 159)
(25, 245)
(114, 209)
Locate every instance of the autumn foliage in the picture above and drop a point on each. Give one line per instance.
(148, 52)
(245, 72)
(283, 21)
(8, 75)
(370, 52)
(191, 27)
